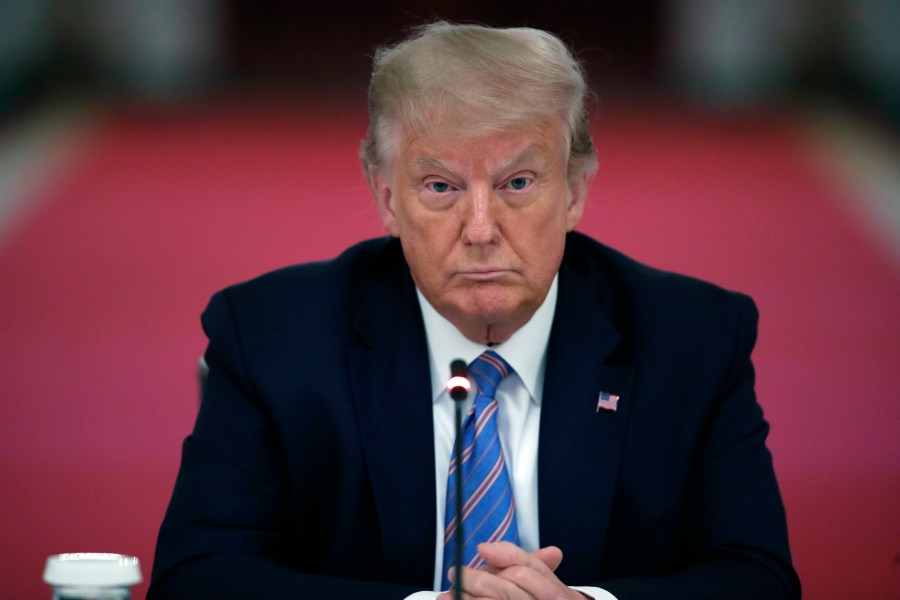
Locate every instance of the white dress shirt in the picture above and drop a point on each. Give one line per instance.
(518, 418)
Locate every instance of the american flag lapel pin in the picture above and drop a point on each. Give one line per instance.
(607, 401)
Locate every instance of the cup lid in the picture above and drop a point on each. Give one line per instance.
(92, 568)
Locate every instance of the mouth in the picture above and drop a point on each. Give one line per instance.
(484, 273)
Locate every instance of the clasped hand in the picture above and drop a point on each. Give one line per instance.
(511, 573)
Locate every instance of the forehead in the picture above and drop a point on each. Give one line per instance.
(449, 147)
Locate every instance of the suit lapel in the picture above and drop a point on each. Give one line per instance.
(389, 373)
(579, 446)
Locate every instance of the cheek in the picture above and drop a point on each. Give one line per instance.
(549, 222)
(428, 245)
(545, 242)
(418, 229)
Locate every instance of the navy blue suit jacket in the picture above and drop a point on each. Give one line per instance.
(310, 471)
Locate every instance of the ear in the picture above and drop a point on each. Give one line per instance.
(384, 200)
(578, 189)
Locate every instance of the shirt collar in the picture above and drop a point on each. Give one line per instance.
(525, 351)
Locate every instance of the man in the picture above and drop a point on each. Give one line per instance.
(615, 402)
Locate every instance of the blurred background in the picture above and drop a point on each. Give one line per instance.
(153, 152)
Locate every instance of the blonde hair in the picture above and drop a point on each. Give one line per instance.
(481, 79)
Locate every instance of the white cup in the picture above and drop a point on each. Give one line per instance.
(92, 575)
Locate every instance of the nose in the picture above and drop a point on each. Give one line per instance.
(479, 221)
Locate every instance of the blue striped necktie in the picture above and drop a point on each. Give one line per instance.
(489, 510)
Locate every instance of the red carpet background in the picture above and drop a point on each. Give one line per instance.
(102, 286)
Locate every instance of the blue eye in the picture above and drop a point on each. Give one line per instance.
(440, 187)
(519, 183)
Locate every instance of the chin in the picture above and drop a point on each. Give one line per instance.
(492, 308)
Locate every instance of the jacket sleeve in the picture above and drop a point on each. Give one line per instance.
(225, 533)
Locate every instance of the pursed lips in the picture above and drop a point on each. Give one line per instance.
(484, 273)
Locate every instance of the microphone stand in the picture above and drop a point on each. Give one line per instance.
(460, 536)
(459, 391)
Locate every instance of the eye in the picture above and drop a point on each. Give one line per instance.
(519, 183)
(439, 187)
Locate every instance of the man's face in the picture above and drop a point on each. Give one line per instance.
(482, 221)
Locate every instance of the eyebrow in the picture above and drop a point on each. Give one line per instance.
(427, 161)
(527, 155)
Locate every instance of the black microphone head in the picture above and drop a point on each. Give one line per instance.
(459, 384)
(458, 368)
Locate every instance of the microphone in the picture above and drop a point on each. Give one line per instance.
(458, 385)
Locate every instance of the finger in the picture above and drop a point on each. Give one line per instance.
(542, 586)
(502, 555)
(550, 556)
(451, 595)
(532, 572)
(477, 584)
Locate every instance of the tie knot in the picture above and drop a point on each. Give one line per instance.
(489, 370)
